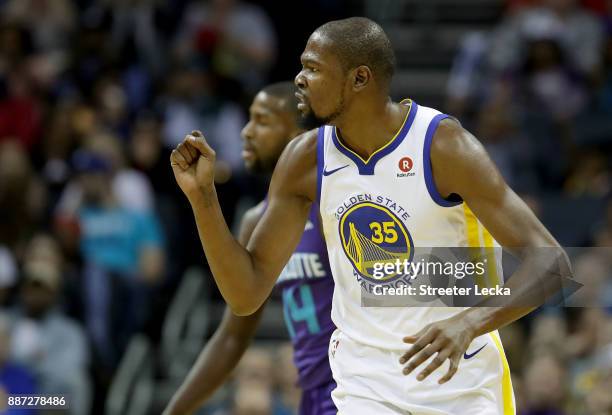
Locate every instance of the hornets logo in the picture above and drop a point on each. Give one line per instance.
(370, 234)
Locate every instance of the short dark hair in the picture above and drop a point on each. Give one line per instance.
(284, 91)
(361, 41)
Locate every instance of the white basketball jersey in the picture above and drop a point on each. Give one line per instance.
(387, 203)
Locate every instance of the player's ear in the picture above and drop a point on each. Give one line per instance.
(362, 75)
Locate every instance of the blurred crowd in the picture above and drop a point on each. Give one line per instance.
(264, 383)
(95, 235)
(537, 91)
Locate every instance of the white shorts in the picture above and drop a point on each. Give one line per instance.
(370, 381)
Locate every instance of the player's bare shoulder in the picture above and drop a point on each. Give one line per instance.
(296, 170)
(452, 140)
(459, 161)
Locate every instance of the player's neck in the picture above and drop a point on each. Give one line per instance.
(367, 128)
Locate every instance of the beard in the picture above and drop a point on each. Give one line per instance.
(262, 166)
(311, 120)
(253, 167)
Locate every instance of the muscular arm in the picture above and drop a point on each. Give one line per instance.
(225, 348)
(245, 276)
(462, 166)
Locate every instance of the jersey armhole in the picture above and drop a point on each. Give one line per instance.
(320, 162)
(452, 199)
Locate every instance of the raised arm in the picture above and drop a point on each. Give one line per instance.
(245, 277)
(462, 166)
(225, 348)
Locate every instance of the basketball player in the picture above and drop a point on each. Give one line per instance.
(306, 282)
(351, 166)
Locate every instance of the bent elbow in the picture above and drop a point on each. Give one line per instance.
(565, 264)
(246, 299)
(243, 310)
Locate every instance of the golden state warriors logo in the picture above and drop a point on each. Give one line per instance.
(372, 234)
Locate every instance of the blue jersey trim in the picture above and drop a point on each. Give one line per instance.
(320, 161)
(453, 199)
(366, 167)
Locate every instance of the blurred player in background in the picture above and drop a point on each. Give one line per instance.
(306, 282)
(353, 167)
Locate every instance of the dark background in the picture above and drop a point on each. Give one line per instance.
(103, 283)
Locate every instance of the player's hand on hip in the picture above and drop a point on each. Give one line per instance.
(446, 339)
(193, 164)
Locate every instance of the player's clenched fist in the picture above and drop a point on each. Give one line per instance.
(193, 163)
